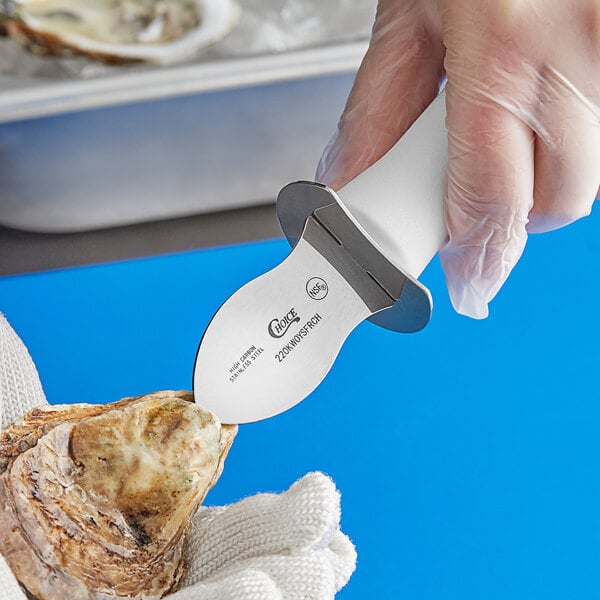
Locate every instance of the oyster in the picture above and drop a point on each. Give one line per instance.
(96, 500)
(115, 31)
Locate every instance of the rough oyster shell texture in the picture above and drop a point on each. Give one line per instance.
(119, 31)
(96, 500)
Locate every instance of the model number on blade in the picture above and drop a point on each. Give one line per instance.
(295, 340)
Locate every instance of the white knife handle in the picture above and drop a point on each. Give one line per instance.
(399, 200)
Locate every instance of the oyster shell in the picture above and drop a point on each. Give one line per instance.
(116, 31)
(96, 500)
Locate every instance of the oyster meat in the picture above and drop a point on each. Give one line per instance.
(96, 501)
(113, 31)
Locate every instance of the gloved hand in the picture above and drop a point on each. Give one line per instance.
(266, 547)
(523, 118)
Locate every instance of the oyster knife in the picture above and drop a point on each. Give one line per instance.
(356, 255)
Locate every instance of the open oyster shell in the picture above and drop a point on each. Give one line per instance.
(116, 31)
(96, 500)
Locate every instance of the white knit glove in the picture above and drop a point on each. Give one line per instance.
(266, 547)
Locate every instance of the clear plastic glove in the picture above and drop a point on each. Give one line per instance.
(523, 118)
(266, 547)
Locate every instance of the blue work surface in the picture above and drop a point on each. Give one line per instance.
(467, 455)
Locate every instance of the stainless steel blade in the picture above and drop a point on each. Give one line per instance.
(275, 339)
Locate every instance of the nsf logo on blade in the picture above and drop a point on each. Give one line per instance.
(316, 288)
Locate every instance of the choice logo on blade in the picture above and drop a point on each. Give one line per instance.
(278, 326)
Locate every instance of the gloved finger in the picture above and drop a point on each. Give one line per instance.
(567, 155)
(20, 387)
(489, 193)
(296, 577)
(244, 584)
(305, 517)
(341, 553)
(399, 76)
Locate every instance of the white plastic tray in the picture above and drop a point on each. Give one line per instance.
(163, 143)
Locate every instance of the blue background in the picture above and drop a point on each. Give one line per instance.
(467, 455)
